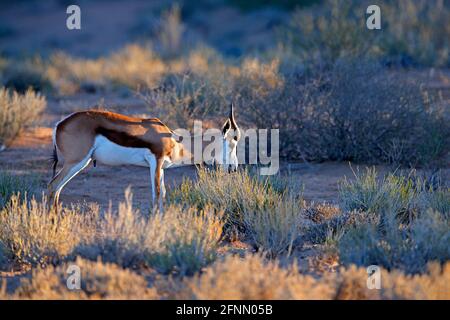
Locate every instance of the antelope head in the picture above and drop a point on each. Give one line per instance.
(231, 136)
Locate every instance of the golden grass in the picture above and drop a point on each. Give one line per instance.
(180, 241)
(18, 111)
(98, 281)
(33, 235)
(132, 66)
(254, 278)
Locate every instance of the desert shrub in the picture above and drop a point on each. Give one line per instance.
(23, 75)
(234, 193)
(255, 278)
(181, 98)
(321, 212)
(18, 111)
(352, 284)
(189, 242)
(352, 111)
(437, 200)
(329, 231)
(412, 32)
(33, 235)
(405, 196)
(264, 209)
(370, 203)
(405, 230)
(250, 5)
(274, 230)
(120, 237)
(180, 241)
(132, 66)
(13, 184)
(417, 30)
(3, 256)
(98, 281)
(395, 246)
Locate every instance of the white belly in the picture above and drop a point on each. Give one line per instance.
(112, 154)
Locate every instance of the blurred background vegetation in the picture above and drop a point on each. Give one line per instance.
(337, 90)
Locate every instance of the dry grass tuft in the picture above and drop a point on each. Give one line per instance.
(133, 66)
(180, 241)
(255, 278)
(34, 236)
(98, 281)
(403, 228)
(11, 185)
(18, 111)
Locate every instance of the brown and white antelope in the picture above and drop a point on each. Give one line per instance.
(115, 139)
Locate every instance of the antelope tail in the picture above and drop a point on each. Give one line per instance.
(54, 160)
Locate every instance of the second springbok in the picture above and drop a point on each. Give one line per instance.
(115, 139)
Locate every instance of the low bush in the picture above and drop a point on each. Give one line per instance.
(32, 235)
(262, 209)
(133, 66)
(352, 111)
(233, 193)
(254, 278)
(18, 111)
(405, 230)
(393, 245)
(23, 75)
(274, 230)
(180, 241)
(405, 196)
(98, 281)
(12, 184)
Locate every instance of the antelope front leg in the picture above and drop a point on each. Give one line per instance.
(159, 182)
(152, 166)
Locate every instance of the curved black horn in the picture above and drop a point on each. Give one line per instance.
(233, 121)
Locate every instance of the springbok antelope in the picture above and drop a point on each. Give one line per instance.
(115, 139)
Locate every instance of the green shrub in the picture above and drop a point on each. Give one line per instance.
(405, 196)
(274, 230)
(24, 75)
(12, 184)
(405, 230)
(395, 246)
(234, 193)
(187, 240)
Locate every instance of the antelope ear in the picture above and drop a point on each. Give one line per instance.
(226, 127)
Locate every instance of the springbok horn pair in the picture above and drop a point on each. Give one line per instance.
(115, 139)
